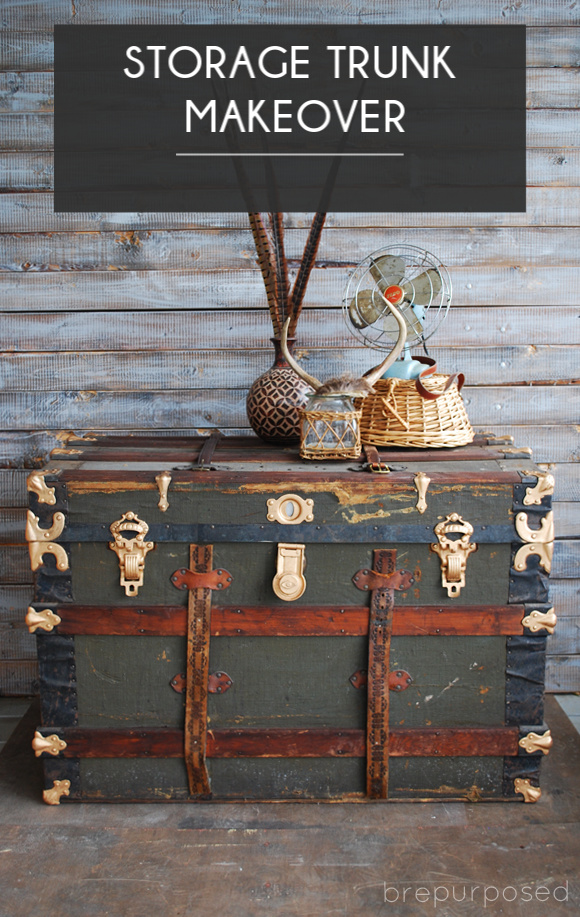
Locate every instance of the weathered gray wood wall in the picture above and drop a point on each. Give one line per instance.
(156, 321)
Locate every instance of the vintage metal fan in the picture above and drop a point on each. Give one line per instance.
(414, 281)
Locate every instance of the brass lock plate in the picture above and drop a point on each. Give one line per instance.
(453, 552)
(130, 551)
(290, 509)
(289, 583)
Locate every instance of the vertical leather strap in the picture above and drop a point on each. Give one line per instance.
(198, 632)
(207, 450)
(380, 627)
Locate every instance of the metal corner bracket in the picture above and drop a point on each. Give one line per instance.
(52, 745)
(544, 487)
(58, 789)
(35, 484)
(41, 541)
(537, 541)
(533, 742)
(539, 620)
(529, 792)
(46, 619)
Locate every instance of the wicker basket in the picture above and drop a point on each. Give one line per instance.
(398, 414)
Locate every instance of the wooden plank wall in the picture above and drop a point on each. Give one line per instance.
(116, 322)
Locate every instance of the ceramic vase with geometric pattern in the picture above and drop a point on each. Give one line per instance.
(274, 398)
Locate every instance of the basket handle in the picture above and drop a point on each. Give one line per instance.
(430, 368)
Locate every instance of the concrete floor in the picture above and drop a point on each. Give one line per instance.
(174, 860)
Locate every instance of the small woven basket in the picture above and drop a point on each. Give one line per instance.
(396, 414)
(330, 434)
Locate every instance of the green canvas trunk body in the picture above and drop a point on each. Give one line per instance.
(394, 691)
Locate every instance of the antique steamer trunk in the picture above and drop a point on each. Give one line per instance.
(218, 619)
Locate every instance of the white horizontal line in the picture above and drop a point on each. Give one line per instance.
(333, 155)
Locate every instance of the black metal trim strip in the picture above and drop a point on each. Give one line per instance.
(525, 676)
(529, 585)
(53, 586)
(57, 678)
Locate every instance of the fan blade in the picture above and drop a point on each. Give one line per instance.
(414, 326)
(423, 288)
(387, 270)
(365, 308)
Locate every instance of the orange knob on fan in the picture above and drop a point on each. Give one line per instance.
(394, 294)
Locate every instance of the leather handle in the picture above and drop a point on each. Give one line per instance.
(431, 368)
(207, 450)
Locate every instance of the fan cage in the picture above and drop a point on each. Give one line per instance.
(417, 261)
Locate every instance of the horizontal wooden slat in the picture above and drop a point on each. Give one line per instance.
(47, 13)
(33, 92)
(18, 677)
(566, 561)
(34, 212)
(565, 596)
(553, 88)
(544, 128)
(566, 637)
(567, 520)
(562, 674)
(555, 46)
(226, 408)
(290, 743)
(16, 645)
(13, 491)
(258, 621)
(15, 567)
(233, 249)
(34, 171)
(169, 370)
(12, 525)
(510, 329)
(141, 290)
(33, 50)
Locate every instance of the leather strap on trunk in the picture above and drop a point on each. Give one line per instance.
(198, 633)
(380, 628)
(207, 450)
